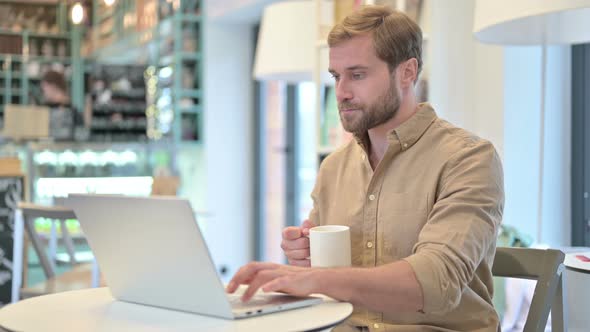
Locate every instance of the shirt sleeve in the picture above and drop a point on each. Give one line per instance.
(462, 226)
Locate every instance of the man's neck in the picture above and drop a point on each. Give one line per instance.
(378, 135)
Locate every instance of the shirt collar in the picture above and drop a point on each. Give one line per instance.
(409, 132)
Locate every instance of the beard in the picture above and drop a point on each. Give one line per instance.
(371, 116)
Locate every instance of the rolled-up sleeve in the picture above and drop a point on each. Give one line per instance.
(461, 228)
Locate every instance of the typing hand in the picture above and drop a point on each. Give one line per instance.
(273, 277)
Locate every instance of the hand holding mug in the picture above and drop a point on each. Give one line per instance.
(295, 244)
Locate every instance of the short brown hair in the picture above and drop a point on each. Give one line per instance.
(55, 78)
(396, 37)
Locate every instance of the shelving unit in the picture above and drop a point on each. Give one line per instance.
(167, 39)
(29, 47)
(21, 76)
(122, 116)
(179, 68)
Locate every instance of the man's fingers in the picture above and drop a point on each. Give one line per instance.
(300, 262)
(297, 253)
(300, 243)
(241, 277)
(262, 277)
(291, 233)
(307, 224)
(275, 285)
(246, 273)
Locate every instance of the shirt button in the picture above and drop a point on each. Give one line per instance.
(369, 244)
(405, 145)
(376, 325)
(363, 156)
(371, 197)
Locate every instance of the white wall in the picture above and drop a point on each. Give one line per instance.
(522, 130)
(521, 158)
(466, 77)
(234, 11)
(452, 60)
(228, 142)
(557, 199)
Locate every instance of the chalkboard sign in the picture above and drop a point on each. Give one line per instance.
(11, 192)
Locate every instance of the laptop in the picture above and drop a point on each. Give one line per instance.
(151, 251)
(26, 122)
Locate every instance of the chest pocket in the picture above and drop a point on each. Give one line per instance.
(400, 218)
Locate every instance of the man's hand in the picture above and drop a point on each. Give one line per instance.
(273, 277)
(295, 244)
(390, 288)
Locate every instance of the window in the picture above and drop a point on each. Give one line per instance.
(581, 145)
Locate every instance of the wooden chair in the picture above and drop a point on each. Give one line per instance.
(545, 266)
(78, 278)
(30, 212)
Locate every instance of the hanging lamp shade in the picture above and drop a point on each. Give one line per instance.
(532, 22)
(287, 40)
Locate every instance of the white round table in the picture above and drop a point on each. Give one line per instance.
(96, 310)
(577, 284)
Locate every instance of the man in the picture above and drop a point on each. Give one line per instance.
(66, 123)
(54, 88)
(423, 198)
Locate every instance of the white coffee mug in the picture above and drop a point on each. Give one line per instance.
(330, 246)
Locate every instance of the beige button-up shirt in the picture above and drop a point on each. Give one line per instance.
(436, 201)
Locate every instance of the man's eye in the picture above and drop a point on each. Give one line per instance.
(358, 76)
(335, 77)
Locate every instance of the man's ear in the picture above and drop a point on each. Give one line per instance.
(408, 72)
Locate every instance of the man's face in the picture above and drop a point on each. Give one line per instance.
(50, 91)
(366, 90)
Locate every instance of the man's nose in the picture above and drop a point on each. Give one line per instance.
(343, 92)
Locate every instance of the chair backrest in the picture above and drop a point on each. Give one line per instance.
(545, 266)
(78, 277)
(32, 211)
